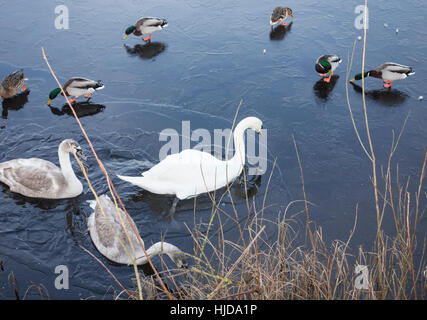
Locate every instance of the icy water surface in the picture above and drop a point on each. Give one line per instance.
(212, 55)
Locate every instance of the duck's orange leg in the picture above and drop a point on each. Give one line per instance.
(24, 87)
(387, 84)
(328, 79)
(88, 96)
(71, 101)
(147, 38)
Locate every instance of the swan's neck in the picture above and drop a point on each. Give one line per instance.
(158, 248)
(66, 168)
(235, 164)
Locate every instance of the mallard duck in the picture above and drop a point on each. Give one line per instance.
(388, 71)
(193, 172)
(105, 232)
(77, 87)
(146, 26)
(280, 14)
(12, 83)
(327, 63)
(38, 178)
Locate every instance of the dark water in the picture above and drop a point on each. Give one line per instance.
(208, 59)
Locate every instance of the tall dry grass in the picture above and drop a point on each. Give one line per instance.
(278, 269)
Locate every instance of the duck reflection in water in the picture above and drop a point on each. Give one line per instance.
(322, 89)
(15, 103)
(388, 97)
(279, 32)
(82, 109)
(146, 51)
(161, 204)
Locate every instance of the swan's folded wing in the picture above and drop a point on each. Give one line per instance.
(110, 236)
(182, 166)
(32, 176)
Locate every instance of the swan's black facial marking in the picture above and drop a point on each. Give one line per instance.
(180, 261)
(77, 150)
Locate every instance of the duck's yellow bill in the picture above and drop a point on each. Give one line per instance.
(49, 102)
(125, 36)
(352, 80)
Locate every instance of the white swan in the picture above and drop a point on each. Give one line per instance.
(193, 172)
(106, 241)
(38, 178)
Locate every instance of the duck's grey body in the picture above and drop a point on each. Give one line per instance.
(149, 25)
(12, 83)
(391, 71)
(77, 86)
(388, 71)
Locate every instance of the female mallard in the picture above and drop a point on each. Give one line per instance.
(327, 63)
(280, 14)
(77, 87)
(12, 83)
(146, 26)
(107, 233)
(388, 71)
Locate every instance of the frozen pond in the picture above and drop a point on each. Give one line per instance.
(212, 55)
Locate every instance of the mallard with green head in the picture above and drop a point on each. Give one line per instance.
(327, 63)
(77, 87)
(12, 84)
(280, 14)
(388, 71)
(146, 26)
